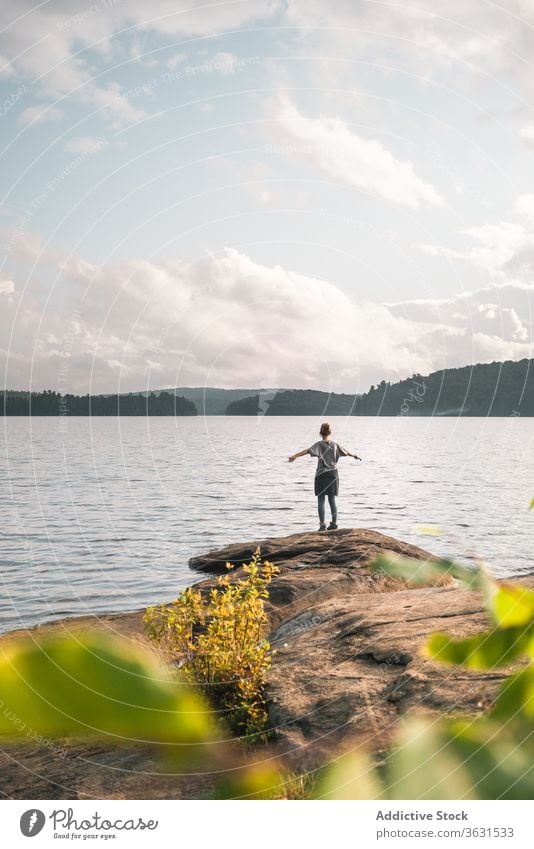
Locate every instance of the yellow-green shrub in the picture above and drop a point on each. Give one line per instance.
(219, 640)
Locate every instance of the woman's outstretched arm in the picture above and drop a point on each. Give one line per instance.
(297, 455)
(351, 454)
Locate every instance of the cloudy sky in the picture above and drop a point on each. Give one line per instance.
(298, 193)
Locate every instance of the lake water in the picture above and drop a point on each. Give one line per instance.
(104, 515)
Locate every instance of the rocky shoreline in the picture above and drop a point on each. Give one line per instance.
(347, 666)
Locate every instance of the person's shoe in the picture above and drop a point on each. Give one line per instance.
(322, 527)
(332, 526)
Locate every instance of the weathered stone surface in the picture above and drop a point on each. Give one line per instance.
(348, 642)
(314, 567)
(92, 770)
(355, 669)
(348, 547)
(348, 665)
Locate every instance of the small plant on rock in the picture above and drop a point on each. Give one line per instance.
(220, 643)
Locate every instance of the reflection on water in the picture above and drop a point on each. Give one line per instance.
(105, 515)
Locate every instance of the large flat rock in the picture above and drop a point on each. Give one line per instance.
(314, 567)
(348, 641)
(351, 667)
(348, 547)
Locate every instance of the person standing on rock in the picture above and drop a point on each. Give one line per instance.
(328, 453)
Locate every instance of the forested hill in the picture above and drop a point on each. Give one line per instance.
(213, 401)
(494, 389)
(50, 403)
(295, 402)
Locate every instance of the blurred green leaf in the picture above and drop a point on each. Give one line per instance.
(253, 781)
(423, 766)
(92, 687)
(498, 758)
(461, 760)
(531, 505)
(483, 651)
(426, 572)
(429, 530)
(510, 605)
(516, 697)
(352, 776)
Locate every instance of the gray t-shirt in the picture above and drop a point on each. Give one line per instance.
(328, 453)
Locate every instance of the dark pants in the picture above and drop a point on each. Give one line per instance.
(327, 486)
(321, 500)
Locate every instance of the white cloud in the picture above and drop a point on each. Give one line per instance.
(176, 60)
(6, 69)
(53, 44)
(498, 244)
(329, 144)
(40, 115)
(84, 144)
(492, 40)
(7, 287)
(502, 311)
(489, 310)
(504, 251)
(498, 317)
(526, 134)
(524, 206)
(228, 320)
(494, 348)
(225, 320)
(469, 328)
(226, 63)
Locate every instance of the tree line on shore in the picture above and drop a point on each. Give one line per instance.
(492, 389)
(50, 403)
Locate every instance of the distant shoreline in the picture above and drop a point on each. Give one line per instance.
(498, 389)
(57, 405)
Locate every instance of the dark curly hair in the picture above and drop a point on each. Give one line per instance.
(325, 429)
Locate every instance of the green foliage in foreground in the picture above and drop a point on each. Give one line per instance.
(490, 756)
(88, 687)
(84, 687)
